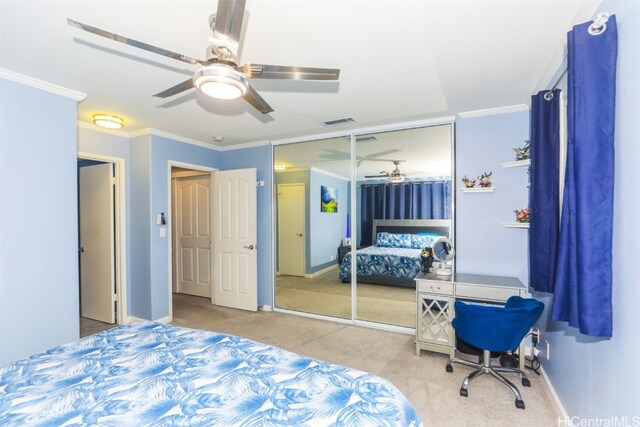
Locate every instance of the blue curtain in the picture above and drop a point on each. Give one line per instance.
(409, 200)
(584, 279)
(544, 197)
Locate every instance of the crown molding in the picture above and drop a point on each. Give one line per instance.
(96, 128)
(163, 134)
(243, 146)
(42, 85)
(494, 111)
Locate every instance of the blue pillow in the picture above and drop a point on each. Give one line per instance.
(392, 240)
(421, 240)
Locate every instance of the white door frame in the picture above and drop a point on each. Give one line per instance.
(120, 230)
(170, 164)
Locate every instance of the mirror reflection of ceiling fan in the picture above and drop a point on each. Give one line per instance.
(220, 76)
(395, 176)
(331, 154)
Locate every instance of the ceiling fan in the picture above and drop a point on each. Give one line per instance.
(395, 176)
(220, 76)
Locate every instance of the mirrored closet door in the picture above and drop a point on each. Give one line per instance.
(397, 200)
(312, 200)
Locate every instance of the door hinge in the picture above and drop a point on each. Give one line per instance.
(114, 180)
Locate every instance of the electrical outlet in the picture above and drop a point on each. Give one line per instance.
(547, 351)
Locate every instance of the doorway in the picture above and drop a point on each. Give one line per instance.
(101, 242)
(291, 211)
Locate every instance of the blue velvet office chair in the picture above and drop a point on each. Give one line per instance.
(495, 329)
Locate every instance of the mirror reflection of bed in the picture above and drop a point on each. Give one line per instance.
(419, 198)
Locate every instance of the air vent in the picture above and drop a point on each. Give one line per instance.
(337, 122)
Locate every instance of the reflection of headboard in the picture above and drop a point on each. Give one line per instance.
(411, 226)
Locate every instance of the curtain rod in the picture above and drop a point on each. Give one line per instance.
(597, 27)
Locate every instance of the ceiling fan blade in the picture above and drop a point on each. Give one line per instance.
(377, 176)
(228, 26)
(174, 90)
(253, 98)
(135, 43)
(262, 71)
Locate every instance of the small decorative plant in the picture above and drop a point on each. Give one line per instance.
(522, 153)
(484, 180)
(468, 182)
(522, 215)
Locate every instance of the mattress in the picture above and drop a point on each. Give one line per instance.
(158, 374)
(399, 263)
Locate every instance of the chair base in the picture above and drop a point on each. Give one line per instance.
(486, 368)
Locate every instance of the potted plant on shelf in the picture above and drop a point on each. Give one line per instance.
(522, 215)
(468, 182)
(484, 180)
(522, 153)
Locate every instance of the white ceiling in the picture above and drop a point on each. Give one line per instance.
(399, 60)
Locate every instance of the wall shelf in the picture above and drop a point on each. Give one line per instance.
(516, 224)
(517, 164)
(478, 190)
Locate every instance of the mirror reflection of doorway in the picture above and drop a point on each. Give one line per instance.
(291, 229)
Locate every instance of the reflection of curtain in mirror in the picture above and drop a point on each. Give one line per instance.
(545, 193)
(582, 294)
(409, 200)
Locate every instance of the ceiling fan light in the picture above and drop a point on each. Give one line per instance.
(108, 121)
(279, 167)
(396, 179)
(219, 81)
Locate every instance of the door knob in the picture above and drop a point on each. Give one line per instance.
(81, 249)
(250, 247)
(299, 234)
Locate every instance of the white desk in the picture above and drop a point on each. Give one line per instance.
(435, 296)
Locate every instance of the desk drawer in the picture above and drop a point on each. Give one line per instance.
(489, 293)
(434, 287)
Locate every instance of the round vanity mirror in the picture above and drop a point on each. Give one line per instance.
(443, 251)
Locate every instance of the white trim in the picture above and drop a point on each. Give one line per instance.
(42, 85)
(121, 229)
(242, 146)
(385, 327)
(515, 224)
(556, 398)
(493, 111)
(318, 273)
(134, 319)
(166, 319)
(323, 172)
(367, 130)
(265, 307)
(178, 138)
(170, 236)
(96, 128)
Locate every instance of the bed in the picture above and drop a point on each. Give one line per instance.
(394, 259)
(158, 374)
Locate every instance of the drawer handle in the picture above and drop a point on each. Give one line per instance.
(435, 287)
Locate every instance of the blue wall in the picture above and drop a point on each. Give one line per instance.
(259, 158)
(599, 377)
(326, 229)
(483, 244)
(38, 221)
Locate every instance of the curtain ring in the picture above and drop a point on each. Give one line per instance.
(599, 24)
(548, 96)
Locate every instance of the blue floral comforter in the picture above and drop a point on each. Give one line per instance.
(401, 263)
(157, 374)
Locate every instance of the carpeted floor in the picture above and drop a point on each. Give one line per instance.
(326, 295)
(423, 380)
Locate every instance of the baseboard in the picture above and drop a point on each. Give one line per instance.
(563, 412)
(133, 319)
(317, 273)
(265, 308)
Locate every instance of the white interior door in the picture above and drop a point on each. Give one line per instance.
(291, 226)
(193, 251)
(97, 252)
(234, 239)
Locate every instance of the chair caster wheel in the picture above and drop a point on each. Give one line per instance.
(526, 382)
(464, 392)
(519, 404)
(449, 367)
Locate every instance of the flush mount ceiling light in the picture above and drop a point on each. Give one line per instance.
(219, 81)
(108, 121)
(396, 179)
(279, 167)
